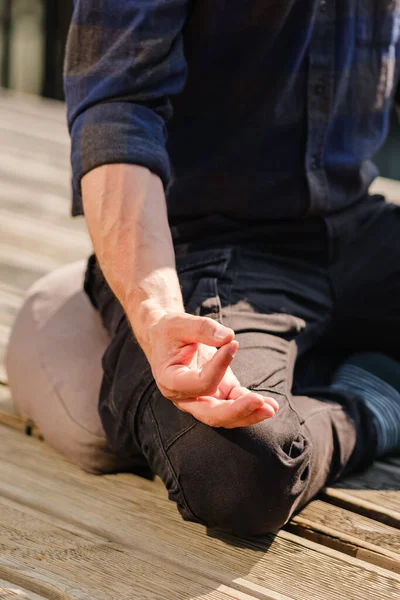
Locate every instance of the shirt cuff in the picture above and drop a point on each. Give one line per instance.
(117, 132)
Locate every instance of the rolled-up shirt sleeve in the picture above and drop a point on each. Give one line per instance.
(124, 60)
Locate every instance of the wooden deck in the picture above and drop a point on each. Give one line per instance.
(66, 535)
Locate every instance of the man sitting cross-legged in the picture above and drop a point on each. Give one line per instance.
(251, 292)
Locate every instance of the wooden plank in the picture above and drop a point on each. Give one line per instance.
(37, 108)
(45, 119)
(350, 533)
(375, 493)
(31, 235)
(3, 374)
(10, 417)
(70, 562)
(34, 172)
(4, 337)
(135, 515)
(20, 195)
(21, 198)
(8, 312)
(10, 175)
(22, 141)
(10, 303)
(43, 132)
(21, 268)
(320, 522)
(9, 591)
(6, 403)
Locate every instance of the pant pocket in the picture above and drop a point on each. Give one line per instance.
(205, 278)
(205, 300)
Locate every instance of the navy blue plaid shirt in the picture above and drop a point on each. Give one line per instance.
(250, 110)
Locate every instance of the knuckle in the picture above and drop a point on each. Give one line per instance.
(204, 326)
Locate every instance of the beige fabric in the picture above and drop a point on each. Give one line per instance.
(54, 368)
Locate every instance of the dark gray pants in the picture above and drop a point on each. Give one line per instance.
(296, 315)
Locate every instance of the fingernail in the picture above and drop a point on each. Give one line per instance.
(220, 334)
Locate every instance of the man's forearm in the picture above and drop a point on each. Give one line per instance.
(127, 219)
(126, 216)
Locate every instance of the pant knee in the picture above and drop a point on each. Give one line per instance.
(244, 514)
(243, 489)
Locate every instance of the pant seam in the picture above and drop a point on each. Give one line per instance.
(170, 466)
(139, 408)
(291, 360)
(176, 437)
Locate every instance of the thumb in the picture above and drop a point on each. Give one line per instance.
(202, 330)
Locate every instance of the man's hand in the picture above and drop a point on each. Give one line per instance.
(196, 377)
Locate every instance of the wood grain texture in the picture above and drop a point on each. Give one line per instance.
(40, 110)
(349, 532)
(34, 235)
(3, 375)
(9, 591)
(6, 403)
(9, 415)
(37, 234)
(4, 337)
(10, 302)
(321, 522)
(376, 493)
(135, 519)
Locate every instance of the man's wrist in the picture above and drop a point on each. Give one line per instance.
(146, 316)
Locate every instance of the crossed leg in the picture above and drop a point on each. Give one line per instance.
(245, 480)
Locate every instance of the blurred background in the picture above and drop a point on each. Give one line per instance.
(32, 38)
(37, 234)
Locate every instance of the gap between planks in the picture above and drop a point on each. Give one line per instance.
(311, 522)
(136, 518)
